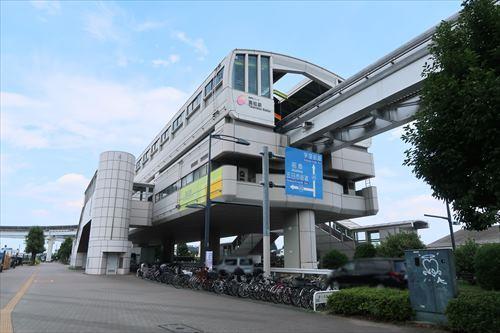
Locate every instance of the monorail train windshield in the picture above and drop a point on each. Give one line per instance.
(294, 82)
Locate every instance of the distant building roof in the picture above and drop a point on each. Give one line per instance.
(415, 224)
(490, 235)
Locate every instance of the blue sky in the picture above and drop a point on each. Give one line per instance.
(78, 78)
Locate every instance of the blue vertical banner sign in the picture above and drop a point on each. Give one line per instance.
(303, 173)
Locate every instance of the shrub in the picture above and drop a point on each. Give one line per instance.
(382, 304)
(395, 245)
(487, 266)
(334, 259)
(365, 250)
(464, 259)
(474, 311)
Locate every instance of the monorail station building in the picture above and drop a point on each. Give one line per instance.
(158, 197)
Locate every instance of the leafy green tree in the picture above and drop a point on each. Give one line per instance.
(395, 245)
(35, 241)
(365, 250)
(487, 266)
(455, 137)
(65, 250)
(333, 259)
(182, 250)
(464, 259)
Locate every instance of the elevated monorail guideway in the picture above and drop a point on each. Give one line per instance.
(380, 97)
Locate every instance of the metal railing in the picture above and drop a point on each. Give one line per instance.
(301, 271)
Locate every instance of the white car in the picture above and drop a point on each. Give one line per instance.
(229, 265)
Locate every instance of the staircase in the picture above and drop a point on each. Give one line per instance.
(248, 244)
(335, 237)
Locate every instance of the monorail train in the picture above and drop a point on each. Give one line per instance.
(240, 87)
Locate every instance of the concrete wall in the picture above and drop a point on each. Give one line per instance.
(140, 213)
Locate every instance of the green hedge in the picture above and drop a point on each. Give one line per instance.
(474, 311)
(487, 266)
(382, 304)
(334, 259)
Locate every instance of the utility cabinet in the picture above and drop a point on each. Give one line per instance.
(431, 282)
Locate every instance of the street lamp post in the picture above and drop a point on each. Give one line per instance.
(208, 201)
(450, 223)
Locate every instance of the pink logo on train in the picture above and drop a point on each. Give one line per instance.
(241, 100)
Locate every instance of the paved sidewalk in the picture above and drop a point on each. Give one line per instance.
(11, 281)
(61, 300)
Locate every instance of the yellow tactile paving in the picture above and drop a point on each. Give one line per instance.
(5, 313)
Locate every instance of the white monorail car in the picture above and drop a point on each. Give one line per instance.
(240, 87)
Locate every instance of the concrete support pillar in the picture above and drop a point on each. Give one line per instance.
(300, 240)
(50, 245)
(168, 250)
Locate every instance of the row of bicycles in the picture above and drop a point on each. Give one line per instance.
(289, 290)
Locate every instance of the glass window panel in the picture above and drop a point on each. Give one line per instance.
(239, 72)
(252, 74)
(218, 77)
(197, 101)
(208, 88)
(203, 170)
(265, 80)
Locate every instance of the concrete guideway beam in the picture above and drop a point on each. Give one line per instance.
(398, 84)
(379, 121)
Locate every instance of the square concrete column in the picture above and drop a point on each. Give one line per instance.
(299, 235)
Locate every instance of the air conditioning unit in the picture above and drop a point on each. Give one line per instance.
(243, 174)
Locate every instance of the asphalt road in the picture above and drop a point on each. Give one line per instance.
(61, 300)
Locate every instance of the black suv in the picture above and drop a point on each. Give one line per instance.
(386, 272)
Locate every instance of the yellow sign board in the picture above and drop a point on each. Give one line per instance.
(195, 193)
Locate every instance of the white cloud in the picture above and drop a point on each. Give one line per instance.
(122, 60)
(101, 24)
(66, 192)
(13, 100)
(10, 164)
(149, 25)
(196, 43)
(172, 59)
(160, 63)
(40, 212)
(83, 111)
(50, 7)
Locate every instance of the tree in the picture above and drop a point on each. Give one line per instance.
(487, 266)
(65, 250)
(394, 246)
(334, 259)
(454, 139)
(365, 250)
(182, 250)
(35, 241)
(464, 260)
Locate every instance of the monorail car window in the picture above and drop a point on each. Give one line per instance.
(197, 101)
(218, 78)
(239, 72)
(178, 122)
(265, 80)
(208, 88)
(164, 136)
(252, 74)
